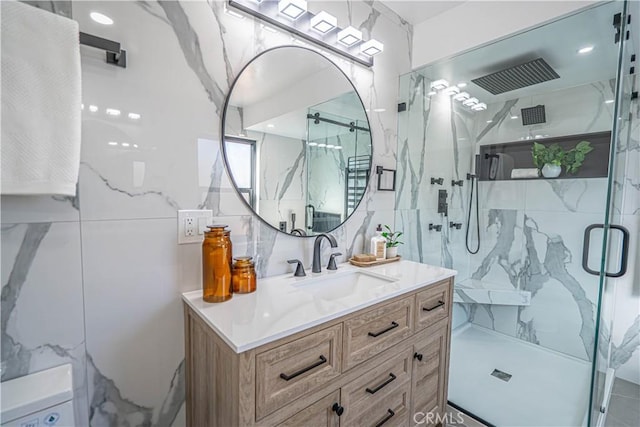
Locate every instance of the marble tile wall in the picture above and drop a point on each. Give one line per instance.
(531, 231)
(103, 271)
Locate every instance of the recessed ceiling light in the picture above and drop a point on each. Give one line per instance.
(134, 116)
(323, 22)
(349, 36)
(293, 9)
(585, 49)
(113, 112)
(271, 126)
(125, 144)
(135, 145)
(514, 117)
(372, 47)
(112, 143)
(609, 101)
(462, 84)
(439, 84)
(93, 108)
(101, 18)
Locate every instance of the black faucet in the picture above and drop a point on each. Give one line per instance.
(316, 268)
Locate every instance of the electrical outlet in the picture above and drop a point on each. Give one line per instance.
(282, 226)
(192, 224)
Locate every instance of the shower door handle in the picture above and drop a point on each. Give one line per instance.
(624, 255)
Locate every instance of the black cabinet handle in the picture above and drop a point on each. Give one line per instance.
(417, 356)
(375, 334)
(337, 409)
(303, 370)
(624, 255)
(439, 304)
(390, 415)
(381, 386)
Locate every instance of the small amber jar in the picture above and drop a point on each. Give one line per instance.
(243, 275)
(216, 266)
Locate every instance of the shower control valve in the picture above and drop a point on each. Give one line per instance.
(435, 227)
(456, 225)
(438, 181)
(454, 182)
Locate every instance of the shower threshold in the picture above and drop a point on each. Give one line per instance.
(533, 386)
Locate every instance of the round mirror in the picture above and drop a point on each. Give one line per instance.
(297, 143)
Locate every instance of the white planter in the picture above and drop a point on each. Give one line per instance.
(392, 252)
(551, 171)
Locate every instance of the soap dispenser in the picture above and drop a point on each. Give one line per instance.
(379, 244)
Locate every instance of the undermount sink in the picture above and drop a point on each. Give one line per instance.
(337, 285)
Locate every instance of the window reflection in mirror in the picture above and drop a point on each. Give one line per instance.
(297, 141)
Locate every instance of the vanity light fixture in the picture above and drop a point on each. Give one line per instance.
(312, 144)
(462, 96)
(322, 145)
(479, 107)
(349, 36)
(292, 9)
(125, 144)
(470, 102)
(372, 47)
(439, 84)
(338, 147)
(323, 22)
(113, 112)
(101, 18)
(330, 145)
(453, 90)
(112, 143)
(134, 116)
(293, 17)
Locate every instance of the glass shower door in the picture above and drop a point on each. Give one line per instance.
(615, 230)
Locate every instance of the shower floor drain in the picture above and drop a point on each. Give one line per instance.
(501, 375)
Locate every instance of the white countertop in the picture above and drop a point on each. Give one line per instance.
(283, 305)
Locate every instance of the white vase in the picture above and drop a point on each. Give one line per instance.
(551, 171)
(392, 252)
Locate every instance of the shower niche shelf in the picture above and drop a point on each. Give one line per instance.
(496, 161)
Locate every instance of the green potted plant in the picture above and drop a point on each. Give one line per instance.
(550, 158)
(392, 241)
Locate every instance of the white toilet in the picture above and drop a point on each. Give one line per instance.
(42, 399)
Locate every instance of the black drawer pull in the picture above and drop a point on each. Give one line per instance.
(381, 386)
(303, 370)
(375, 334)
(418, 356)
(439, 304)
(390, 415)
(337, 409)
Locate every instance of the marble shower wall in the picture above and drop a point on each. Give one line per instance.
(531, 231)
(103, 271)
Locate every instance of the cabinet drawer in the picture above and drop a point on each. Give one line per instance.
(318, 414)
(376, 330)
(387, 386)
(432, 305)
(287, 372)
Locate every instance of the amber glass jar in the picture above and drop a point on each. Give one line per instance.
(216, 268)
(243, 275)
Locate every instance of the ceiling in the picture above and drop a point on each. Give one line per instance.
(557, 42)
(417, 11)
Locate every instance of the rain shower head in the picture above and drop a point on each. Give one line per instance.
(533, 115)
(516, 77)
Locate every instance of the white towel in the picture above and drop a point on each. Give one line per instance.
(41, 98)
(525, 173)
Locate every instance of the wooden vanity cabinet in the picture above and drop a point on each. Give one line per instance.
(383, 365)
